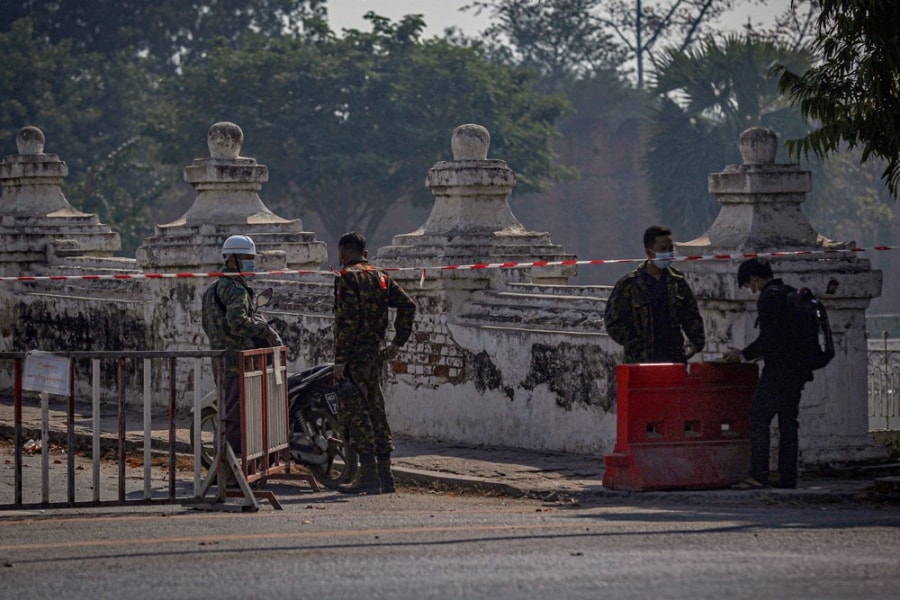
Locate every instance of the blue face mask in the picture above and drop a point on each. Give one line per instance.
(248, 266)
(663, 260)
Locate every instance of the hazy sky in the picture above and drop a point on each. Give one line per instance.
(442, 13)
(438, 13)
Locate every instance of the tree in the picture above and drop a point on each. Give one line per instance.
(643, 26)
(169, 33)
(90, 110)
(561, 39)
(852, 202)
(86, 73)
(793, 28)
(853, 91)
(560, 36)
(707, 96)
(349, 126)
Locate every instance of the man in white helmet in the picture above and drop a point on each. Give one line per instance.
(231, 323)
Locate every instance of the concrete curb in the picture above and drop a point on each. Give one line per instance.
(482, 485)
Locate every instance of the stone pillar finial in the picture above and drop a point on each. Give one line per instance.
(228, 203)
(761, 202)
(30, 141)
(32, 180)
(470, 142)
(225, 140)
(471, 220)
(758, 146)
(39, 228)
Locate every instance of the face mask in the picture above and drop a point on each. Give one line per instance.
(248, 266)
(663, 260)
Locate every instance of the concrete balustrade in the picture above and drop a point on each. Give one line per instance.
(512, 357)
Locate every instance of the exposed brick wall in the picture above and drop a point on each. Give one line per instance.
(430, 357)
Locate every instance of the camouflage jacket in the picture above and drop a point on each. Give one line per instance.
(362, 296)
(629, 318)
(229, 320)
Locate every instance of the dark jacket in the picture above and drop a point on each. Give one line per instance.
(362, 296)
(629, 318)
(775, 322)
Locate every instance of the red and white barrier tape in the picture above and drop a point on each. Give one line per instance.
(469, 267)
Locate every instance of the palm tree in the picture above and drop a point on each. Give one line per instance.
(705, 98)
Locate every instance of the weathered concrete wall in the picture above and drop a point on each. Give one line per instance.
(520, 367)
(506, 356)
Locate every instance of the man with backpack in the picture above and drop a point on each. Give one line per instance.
(788, 366)
(231, 323)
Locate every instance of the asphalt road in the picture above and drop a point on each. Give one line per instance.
(420, 544)
(424, 543)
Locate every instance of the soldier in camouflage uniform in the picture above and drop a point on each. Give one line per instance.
(362, 296)
(652, 309)
(231, 324)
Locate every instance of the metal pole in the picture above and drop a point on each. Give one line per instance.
(172, 428)
(95, 420)
(70, 435)
(148, 430)
(45, 448)
(17, 392)
(121, 428)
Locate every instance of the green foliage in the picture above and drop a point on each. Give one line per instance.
(91, 113)
(707, 97)
(852, 202)
(349, 126)
(560, 39)
(167, 33)
(853, 92)
(565, 39)
(125, 92)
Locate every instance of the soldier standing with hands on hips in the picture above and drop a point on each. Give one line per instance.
(363, 293)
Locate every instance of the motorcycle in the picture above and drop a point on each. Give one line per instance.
(318, 440)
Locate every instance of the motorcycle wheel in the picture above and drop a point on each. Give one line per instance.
(208, 422)
(342, 462)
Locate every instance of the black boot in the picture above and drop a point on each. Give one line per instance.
(366, 484)
(385, 477)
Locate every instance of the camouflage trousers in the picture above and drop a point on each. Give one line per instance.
(365, 417)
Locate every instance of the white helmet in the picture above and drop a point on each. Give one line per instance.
(239, 244)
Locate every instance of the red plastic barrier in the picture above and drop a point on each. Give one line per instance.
(681, 428)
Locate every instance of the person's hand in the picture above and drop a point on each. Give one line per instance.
(391, 351)
(690, 350)
(338, 371)
(733, 355)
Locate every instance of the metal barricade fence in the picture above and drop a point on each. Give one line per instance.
(265, 431)
(176, 491)
(884, 384)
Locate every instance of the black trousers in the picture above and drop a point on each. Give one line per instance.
(777, 395)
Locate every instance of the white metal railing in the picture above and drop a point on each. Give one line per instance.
(884, 384)
(124, 439)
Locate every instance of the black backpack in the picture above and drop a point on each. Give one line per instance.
(813, 342)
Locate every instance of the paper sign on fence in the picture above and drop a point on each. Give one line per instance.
(45, 372)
